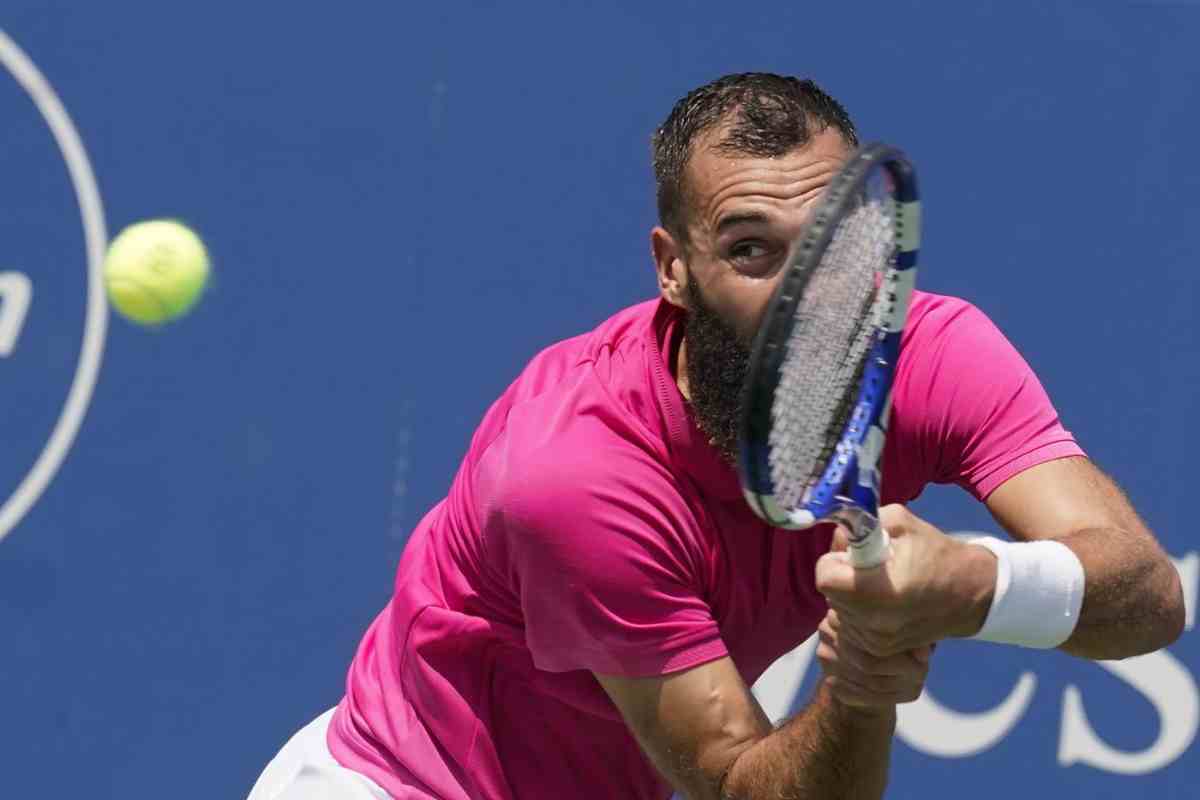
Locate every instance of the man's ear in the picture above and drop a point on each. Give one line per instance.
(670, 264)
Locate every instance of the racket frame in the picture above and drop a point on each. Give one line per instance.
(848, 490)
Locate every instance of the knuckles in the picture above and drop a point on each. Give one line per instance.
(896, 518)
(881, 645)
(870, 671)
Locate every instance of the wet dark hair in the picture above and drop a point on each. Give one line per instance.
(769, 115)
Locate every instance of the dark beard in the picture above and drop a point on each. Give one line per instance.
(717, 361)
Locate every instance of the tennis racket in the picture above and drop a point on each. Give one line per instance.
(818, 390)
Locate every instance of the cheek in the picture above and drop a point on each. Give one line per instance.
(740, 300)
(748, 309)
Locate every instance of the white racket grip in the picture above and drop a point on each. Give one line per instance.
(871, 551)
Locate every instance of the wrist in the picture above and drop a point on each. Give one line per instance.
(857, 715)
(866, 717)
(1038, 593)
(976, 575)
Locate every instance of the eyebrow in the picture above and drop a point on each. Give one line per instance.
(741, 219)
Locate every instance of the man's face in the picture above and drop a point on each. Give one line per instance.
(743, 214)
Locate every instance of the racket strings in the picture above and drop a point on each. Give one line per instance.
(836, 322)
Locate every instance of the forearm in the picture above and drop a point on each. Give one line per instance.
(828, 750)
(1133, 599)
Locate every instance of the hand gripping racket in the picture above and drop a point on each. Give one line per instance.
(818, 390)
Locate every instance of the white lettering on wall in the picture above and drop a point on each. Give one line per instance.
(1170, 689)
(932, 728)
(16, 291)
(1189, 575)
(937, 730)
(1162, 680)
(776, 688)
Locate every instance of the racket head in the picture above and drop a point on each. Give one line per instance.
(817, 390)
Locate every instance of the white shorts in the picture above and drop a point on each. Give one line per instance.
(306, 770)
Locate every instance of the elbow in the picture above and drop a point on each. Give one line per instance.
(732, 779)
(1158, 623)
(1168, 610)
(1174, 607)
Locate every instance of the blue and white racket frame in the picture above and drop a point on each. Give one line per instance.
(848, 489)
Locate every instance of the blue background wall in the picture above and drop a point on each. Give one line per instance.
(406, 201)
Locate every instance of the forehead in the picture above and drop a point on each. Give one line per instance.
(718, 180)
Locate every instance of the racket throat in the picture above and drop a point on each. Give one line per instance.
(859, 523)
(869, 543)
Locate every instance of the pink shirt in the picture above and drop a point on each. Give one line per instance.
(592, 528)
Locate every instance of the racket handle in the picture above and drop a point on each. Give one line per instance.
(872, 550)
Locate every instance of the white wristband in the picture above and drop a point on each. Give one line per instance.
(1039, 591)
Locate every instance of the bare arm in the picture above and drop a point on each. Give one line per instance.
(1133, 600)
(705, 732)
(828, 750)
(935, 587)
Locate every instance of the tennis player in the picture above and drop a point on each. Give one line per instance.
(582, 614)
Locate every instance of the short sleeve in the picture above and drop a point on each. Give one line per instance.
(603, 553)
(975, 414)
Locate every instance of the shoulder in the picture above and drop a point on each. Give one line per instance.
(585, 490)
(614, 353)
(581, 415)
(948, 340)
(575, 443)
(572, 378)
(588, 467)
(947, 386)
(629, 327)
(966, 405)
(940, 317)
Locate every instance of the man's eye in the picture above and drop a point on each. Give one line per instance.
(754, 257)
(747, 251)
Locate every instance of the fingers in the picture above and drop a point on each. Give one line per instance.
(858, 678)
(860, 689)
(835, 574)
(862, 660)
(897, 520)
(839, 580)
(880, 646)
(841, 539)
(907, 602)
(854, 694)
(866, 600)
(882, 632)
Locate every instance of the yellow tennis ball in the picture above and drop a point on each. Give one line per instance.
(155, 271)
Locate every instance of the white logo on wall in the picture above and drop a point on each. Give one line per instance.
(934, 729)
(18, 293)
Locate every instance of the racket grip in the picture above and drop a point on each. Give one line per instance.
(872, 550)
